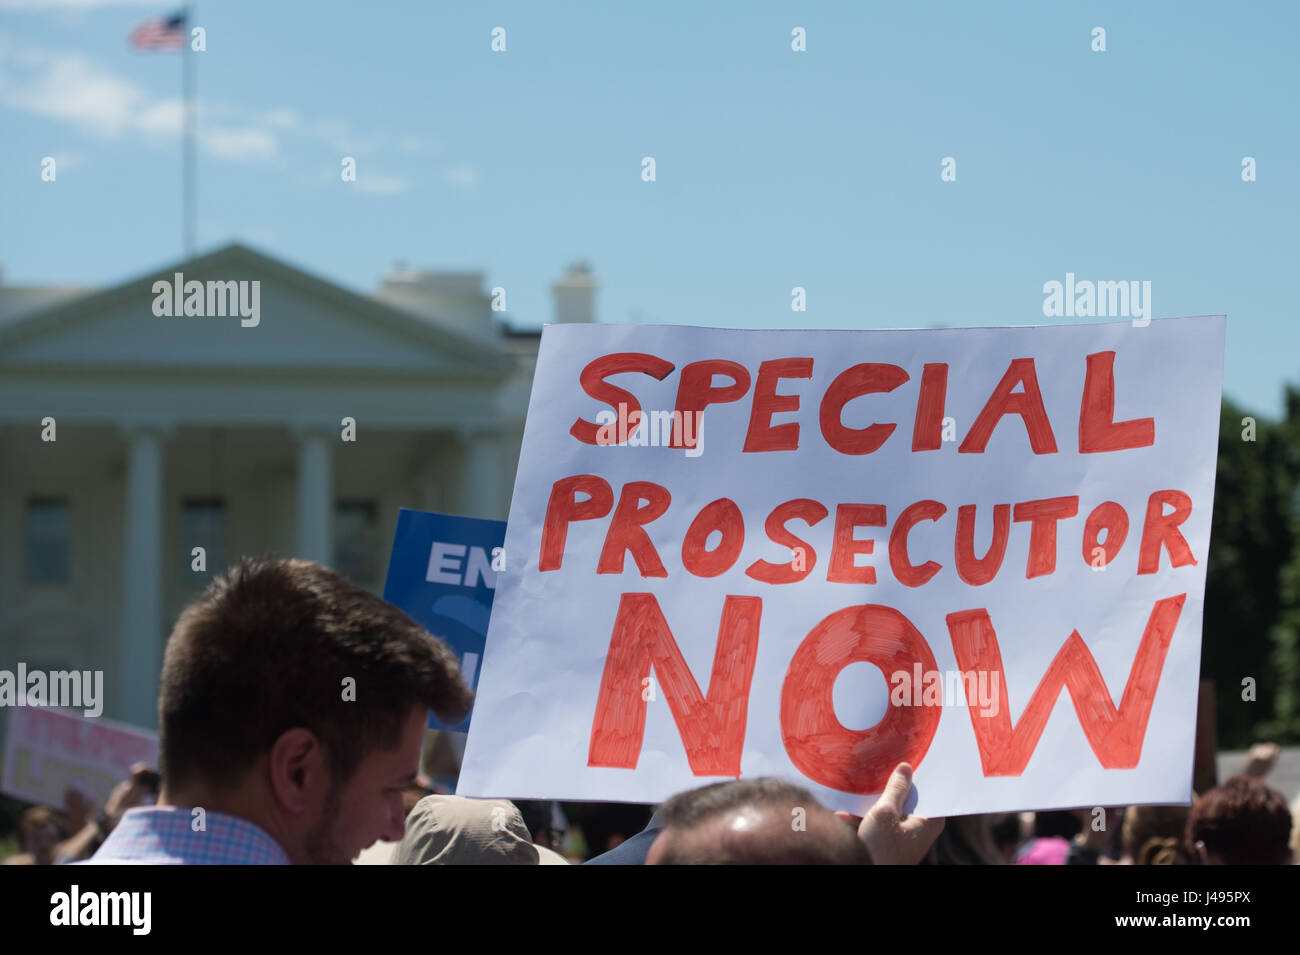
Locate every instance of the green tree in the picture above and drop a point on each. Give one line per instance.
(1284, 727)
(1252, 556)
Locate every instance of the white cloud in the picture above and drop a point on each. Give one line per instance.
(416, 146)
(338, 137)
(382, 185)
(462, 177)
(239, 144)
(166, 117)
(282, 118)
(70, 88)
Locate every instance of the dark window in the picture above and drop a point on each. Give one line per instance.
(354, 541)
(49, 540)
(203, 524)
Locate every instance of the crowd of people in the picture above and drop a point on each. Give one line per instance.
(293, 715)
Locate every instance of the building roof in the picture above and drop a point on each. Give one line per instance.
(46, 314)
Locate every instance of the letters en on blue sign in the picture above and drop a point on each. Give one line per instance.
(441, 574)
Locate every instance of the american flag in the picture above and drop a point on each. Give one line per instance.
(161, 33)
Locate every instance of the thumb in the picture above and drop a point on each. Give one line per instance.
(897, 789)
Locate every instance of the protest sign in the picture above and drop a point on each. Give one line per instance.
(48, 751)
(815, 554)
(443, 573)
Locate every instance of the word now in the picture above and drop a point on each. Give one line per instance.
(712, 726)
(640, 503)
(1097, 429)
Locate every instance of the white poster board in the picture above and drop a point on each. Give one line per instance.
(872, 529)
(48, 751)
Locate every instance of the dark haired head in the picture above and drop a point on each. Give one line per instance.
(1058, 823)
(281, 644)
(1242, 822)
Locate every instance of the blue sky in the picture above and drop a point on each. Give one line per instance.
(775, 169)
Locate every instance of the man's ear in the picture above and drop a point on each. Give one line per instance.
(298, 771)
(658, 849)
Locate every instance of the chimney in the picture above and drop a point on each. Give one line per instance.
(455, 299)
(575, 295)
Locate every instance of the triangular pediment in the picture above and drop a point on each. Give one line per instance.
(303, 323)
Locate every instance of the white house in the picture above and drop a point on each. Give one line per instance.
(130, 438)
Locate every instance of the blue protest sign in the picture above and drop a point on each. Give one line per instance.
(441, 573)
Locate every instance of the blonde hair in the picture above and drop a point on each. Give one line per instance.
(1144, 825)
(1161, 851)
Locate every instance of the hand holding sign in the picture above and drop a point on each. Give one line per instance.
(891, 835)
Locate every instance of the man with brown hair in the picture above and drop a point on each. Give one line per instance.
(1242, 822)
(291, 713)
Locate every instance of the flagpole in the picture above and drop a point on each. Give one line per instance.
(187, 145)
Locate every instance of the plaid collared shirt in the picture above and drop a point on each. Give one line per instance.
(164, 835)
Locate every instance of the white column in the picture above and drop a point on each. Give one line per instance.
(481, 480)
(142, 593)
(316, 495)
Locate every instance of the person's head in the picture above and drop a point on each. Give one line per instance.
(544, 821)
(454, 830)
(967, 840)
(77, 808)
(299, 701)
(39, 832)
(1242, 822)
(1056, 823)
(1153, 835)
(760, 821)
(1162, 850)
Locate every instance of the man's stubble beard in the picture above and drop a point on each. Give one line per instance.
(321, 848)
